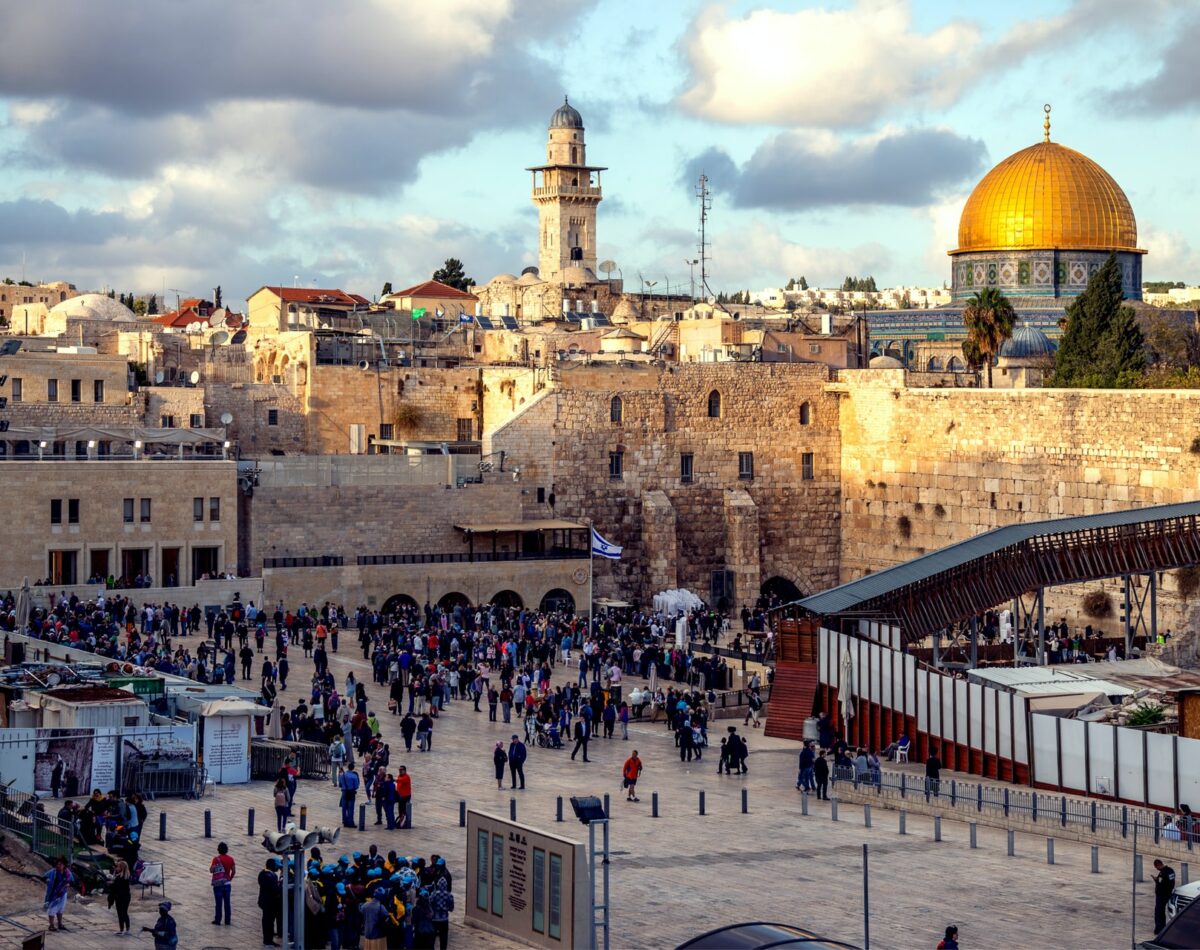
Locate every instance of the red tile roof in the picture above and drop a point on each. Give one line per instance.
(316, 295)
(435, 288)
(180, 318)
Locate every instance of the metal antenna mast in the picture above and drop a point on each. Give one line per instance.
(705, 197)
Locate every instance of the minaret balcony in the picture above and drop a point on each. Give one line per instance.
(567, 191)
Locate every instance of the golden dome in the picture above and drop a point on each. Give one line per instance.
(1047, 196)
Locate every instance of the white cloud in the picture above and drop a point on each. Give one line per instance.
(1169, 256)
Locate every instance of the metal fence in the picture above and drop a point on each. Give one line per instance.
(1064, 811)
(46, 834)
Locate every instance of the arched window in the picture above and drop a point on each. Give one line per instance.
(956, 365)
(805, 413)
(714, 404)
(616, 409)
(934, 365)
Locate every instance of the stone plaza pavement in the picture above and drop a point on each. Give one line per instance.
(674, 876)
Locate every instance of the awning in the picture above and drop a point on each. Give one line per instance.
(233, 706)
(51, 434)
(609, 602)
(541, 524)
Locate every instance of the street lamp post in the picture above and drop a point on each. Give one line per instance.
(292, 844)
(590, 811)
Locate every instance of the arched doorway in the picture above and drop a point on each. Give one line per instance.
(507, 599)
(454, 599)
(558, 600)
(779, 590)
(398, 603)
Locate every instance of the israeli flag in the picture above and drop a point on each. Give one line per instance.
(465, 318)
(602, 548)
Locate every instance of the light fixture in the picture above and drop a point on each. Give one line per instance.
(42, 445)
(137, 444)
(228, 444)
(91, 443)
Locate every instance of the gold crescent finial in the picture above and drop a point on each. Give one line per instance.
(1046, 124)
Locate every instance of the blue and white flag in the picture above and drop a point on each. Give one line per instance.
(602, 548)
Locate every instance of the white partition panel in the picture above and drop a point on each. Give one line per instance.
(865, 628)
(981, 700)
(990, 722)
(1129, 764)
(1020, 726)
(921, 682)
(910, 685)
(1045, 750)
(1100, 758)
(935, 688)
(962, 725)
(1074, 769)
(890, 679)
(823, 656)
(1189, 770)
(1160, 755)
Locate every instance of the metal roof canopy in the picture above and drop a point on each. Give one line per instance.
(542, 524)
(955, 583)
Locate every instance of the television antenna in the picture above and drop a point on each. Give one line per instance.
(705, 197)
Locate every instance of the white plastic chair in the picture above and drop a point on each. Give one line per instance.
(902, 754)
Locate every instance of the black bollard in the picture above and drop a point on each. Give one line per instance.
(408, 814)
(512, 809)
(162, 826)
(607, 813)
(304, 816)
(462, 812)
(702, 802)
(558, 809)
(654, 805)
(362, 817)
(250, 822)
(745, 801)
(207, 823)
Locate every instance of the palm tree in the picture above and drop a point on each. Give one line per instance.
(989, 318)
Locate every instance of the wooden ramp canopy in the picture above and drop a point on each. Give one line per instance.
(961, 581)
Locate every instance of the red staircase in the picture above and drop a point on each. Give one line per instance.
(795, 687)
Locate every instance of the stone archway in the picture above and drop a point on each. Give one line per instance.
(453, 599)
(399, 602)
(508, 598)
(559, 600)
(777, 591)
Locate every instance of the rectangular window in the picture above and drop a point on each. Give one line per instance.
(98, 390)
(52, 390)
(128, 510)
(56, 511)
(466, 429)
(539, 890)
(197, 509)
(196, 420)
(272, 417)
(498, 875)
(814, 348)
(214, 509)
(616, 465)
(687, 463)
(556, 896)
(18, 388)
(746, 465)
(481, 871)
(72, 511)
(168, 422)
(77, 390)
(806, 466)
(145, 511)
(541, 496)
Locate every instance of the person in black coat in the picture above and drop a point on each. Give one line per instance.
(408, 727)
(499, 759)
(269, 902)
(821, 776)
(582, 734)
(516, 761)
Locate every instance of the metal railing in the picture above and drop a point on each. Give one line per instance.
(1064, 811)
(466, 557)
(46, 834)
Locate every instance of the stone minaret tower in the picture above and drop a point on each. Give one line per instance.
(566, 191)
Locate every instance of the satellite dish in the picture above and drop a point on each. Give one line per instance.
(195, 326)
(608, 267)
(529, 270)
(226, 418)
(53, 679)
(239, 337)
(195, 377)
(159, 377)
(220, 338)
(219, 315)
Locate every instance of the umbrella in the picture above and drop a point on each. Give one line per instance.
(847, 690)
(23, 607)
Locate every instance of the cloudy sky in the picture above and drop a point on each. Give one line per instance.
(153, 144)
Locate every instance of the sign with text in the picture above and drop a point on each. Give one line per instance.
(525, 883)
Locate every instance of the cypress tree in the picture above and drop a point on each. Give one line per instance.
(1102, 345)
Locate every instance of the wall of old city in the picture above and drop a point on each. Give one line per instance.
(776, 523)
(923, 468)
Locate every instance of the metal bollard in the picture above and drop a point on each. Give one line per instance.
(512, 809)
(1049, 850)
(1137, 869)
(362, 817)
(654, 805)
(558, 809)
(1012, 844)
(607, 813)
(702, 802)
(903, 822)
(974, 833)
(833, 809)
(745, 800)
(866, 816)
(462, 812)
(304, 816)
(162, 826)
(804, 802)
(937, 827)
(1095, 859)
(207, 823)
(408, 814)
(250, 822)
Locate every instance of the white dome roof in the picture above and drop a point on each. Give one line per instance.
(886, 362)
(93, 307)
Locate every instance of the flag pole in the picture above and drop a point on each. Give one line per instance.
(591, 570)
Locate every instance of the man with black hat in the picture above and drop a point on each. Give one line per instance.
(1164, 887)
(166, 935)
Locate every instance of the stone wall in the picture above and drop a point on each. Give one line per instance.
(924, 468)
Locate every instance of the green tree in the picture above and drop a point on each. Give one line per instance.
(989, 318)
(1102, 345)
(452, 274)
(139, 307)
(152, 304)
(803, 283)
(217, 297)
(791, 284)
(387, 287)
